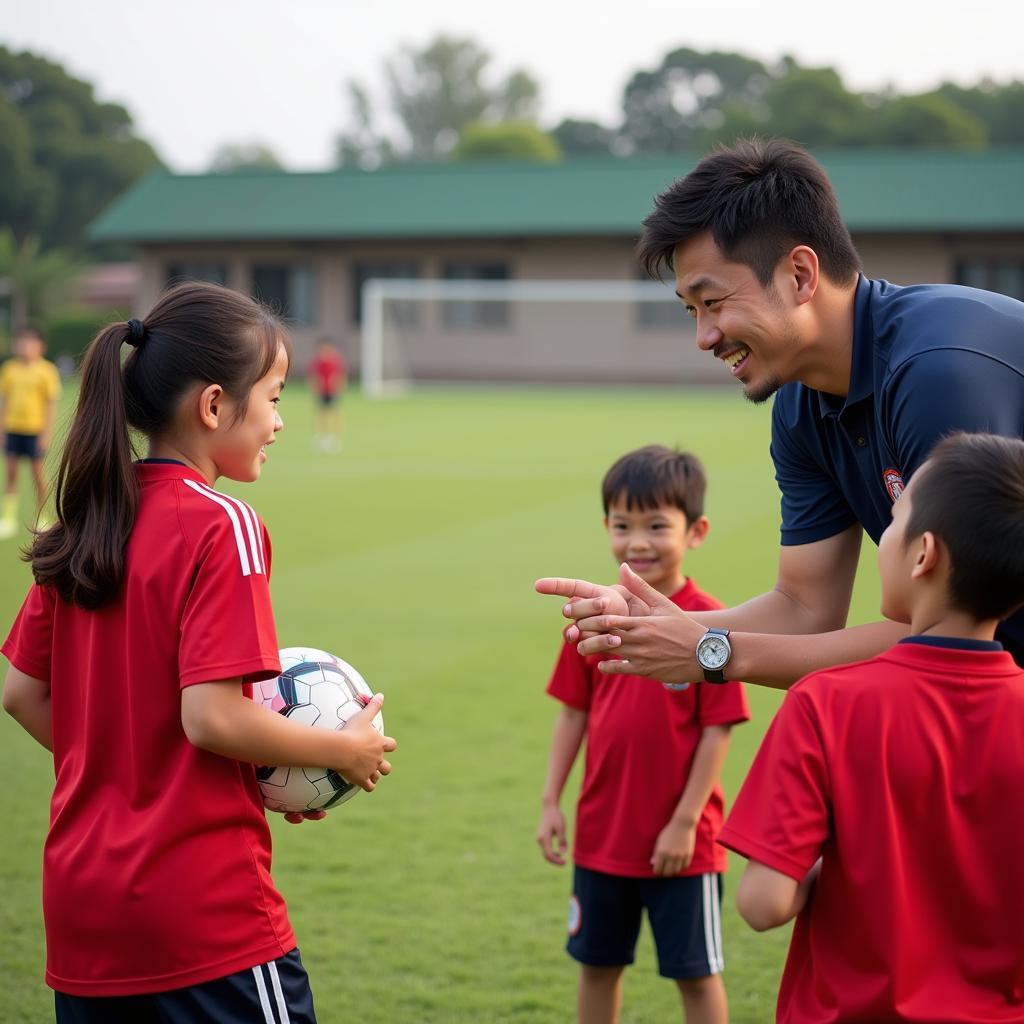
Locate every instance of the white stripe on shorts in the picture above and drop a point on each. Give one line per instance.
(261, 987)
(243, 555)
(712, 924)
(275, 980)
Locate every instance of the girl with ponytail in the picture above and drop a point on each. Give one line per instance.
(133, 659)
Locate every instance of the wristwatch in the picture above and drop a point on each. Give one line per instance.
(713, 654)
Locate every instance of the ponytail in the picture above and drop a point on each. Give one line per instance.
(196, 333)
(96, 493)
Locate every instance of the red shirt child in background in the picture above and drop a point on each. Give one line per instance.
(885, 808)
(328, 375)
(650, 805)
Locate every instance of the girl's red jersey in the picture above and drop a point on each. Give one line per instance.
(156, 868)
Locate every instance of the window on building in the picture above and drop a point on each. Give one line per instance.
(406, 314)
(994, 275)
(197, 270)
(288, 288)
(653, 315)
(482, 313)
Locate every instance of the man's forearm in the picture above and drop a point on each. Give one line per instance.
(779, 661)
(776, 612)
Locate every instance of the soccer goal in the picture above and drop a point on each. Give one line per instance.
(558, 332)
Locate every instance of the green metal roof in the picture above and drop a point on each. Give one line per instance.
(879, 190)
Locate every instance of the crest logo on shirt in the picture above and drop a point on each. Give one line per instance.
(676, 686)
(894, 485)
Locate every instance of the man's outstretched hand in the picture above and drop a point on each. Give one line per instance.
(646, 633)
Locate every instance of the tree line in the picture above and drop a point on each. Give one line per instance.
(64, 155)
(445, 107)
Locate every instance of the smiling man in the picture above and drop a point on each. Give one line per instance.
(867, 376)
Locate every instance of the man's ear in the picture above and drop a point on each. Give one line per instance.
(802, 273)
(211, 400)
(697, 531)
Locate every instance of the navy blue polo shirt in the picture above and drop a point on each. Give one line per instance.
(927, 360)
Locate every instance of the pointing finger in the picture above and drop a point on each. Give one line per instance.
(563, 587)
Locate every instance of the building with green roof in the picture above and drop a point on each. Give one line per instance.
(307, 243)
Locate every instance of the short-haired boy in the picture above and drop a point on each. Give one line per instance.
(650, 804)
(885, 808)
(29, 390)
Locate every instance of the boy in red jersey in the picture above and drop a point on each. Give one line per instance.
(885, 808)
(650, 804)
(328, 375)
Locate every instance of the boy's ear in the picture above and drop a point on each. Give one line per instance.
(210, 401)
(697, 531)
(927, 555)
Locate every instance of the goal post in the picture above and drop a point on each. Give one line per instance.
(593, 331)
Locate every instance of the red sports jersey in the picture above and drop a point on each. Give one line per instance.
(905, 774)
(641, 738)
(328, 371)
(156, 868)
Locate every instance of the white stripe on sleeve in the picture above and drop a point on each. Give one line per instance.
(251, 526)
(243, 555)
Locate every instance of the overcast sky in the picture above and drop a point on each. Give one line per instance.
(196, 73)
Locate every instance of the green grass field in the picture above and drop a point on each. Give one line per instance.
(412, 554)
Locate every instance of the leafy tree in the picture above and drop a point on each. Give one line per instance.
(812, 106)
(927, 120)
(63, 154)
(664, 110)
(359, 145)
(584, 138)
(999, 107)
(434, 93)
(244, 156)
(34, 281)
(507, 140)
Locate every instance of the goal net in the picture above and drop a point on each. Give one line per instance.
(558, 332)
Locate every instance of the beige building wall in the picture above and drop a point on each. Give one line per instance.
(598, 342)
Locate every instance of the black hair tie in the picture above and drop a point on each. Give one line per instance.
(136, 332)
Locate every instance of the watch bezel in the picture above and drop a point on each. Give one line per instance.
(717, 674)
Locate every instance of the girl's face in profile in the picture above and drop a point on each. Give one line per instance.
(239, 447)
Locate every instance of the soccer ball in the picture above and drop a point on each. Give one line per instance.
(314, 688)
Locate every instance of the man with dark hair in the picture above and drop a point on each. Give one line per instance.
(867, 377)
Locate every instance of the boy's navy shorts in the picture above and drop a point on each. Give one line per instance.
(276, 992)
(685, 914)
(23, 446)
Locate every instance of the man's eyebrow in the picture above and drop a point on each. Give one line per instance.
(697, 287)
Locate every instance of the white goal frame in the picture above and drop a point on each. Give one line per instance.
(377, 291)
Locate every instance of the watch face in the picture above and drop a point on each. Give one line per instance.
(713, 652)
